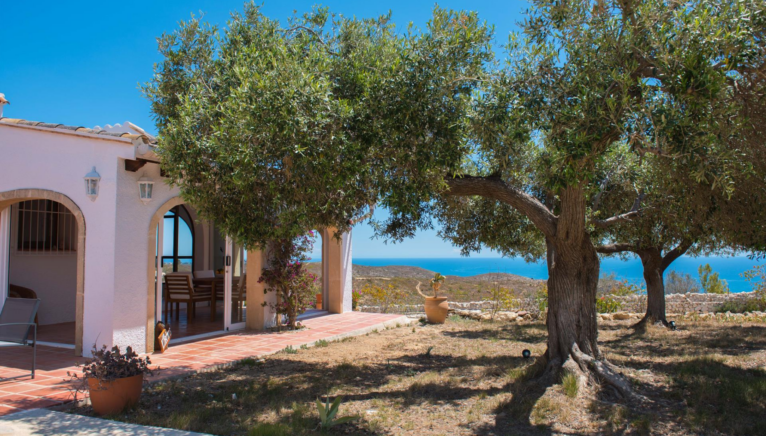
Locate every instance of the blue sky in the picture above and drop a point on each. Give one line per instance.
(80, 63)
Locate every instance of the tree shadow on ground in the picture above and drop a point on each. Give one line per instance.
(515, 416)
(732, 340)
(717, 396)
(531, 333)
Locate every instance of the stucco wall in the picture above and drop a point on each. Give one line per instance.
(131, 249)
(54, 279)
(40, 159)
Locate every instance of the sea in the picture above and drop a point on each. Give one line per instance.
(728, 268)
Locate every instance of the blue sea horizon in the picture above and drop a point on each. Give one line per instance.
(729, 268)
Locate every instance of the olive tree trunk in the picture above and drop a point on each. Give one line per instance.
(572, 281)
(573, 271)
(654, 269)
(655, 264)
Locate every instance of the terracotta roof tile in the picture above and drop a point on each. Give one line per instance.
(79, 129)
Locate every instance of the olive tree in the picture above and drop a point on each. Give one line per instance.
(272, 130)
(679, 216)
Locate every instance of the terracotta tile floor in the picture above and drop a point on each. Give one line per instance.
(49, 388)
(63, 333)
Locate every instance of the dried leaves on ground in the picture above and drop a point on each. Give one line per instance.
(467, 377)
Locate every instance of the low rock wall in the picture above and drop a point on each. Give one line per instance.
(674, 303)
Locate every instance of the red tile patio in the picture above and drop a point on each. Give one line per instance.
(49, 387)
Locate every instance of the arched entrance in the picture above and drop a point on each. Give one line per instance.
(46, 225)
(180, 244)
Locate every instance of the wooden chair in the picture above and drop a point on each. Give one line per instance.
(240, 296)
(179, 289)
(209, 274)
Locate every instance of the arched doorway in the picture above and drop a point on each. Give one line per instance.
(44, 231)
(181, 244)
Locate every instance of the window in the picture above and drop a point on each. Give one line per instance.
(44, 227)
(178, 242)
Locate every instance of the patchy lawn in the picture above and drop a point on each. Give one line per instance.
(467, 377)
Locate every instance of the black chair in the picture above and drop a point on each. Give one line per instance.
(16, 320)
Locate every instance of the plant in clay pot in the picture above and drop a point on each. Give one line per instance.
(436, 307)
(113, 379)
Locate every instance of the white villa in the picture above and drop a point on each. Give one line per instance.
(89, 226)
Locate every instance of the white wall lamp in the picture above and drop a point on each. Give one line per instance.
(91, 184)
(145, 187)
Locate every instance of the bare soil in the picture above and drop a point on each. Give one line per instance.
(467, 377)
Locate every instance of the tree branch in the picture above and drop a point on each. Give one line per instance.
(627, 216)
(616, 248)
(497, 189)
(365, 216)
(675, 253)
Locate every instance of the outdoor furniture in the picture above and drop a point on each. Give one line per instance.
(15, 291)
(240, 296)
(16, 320)
(203, 286)
(213, 286)
(179, 289)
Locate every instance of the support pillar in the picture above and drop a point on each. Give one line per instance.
(336, 266)
(259, 317)
(5, 243)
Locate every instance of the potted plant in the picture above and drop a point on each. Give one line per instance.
(113, 379)
(436, 307)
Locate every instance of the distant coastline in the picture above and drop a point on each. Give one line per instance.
(729, 268)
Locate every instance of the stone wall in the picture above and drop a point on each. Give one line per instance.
(674, 303)
(682, 303)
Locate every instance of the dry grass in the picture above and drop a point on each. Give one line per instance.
(705, 378)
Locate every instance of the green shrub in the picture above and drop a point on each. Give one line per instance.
(754, 304)
(710, 281)
(541, 296)
(327, 414)
(607, 304)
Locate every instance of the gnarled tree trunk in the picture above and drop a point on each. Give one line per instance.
(573, 271)
(572, 281)
(654, 268)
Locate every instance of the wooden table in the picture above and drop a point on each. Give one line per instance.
(212, 282)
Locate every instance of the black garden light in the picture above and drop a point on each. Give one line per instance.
(526, 354)
(672, 325)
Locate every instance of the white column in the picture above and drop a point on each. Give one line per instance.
(347, 282)
(159, 279)
(5, 252)
(325, 269)
(259, 316)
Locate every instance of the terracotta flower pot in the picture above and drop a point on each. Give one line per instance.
(436, 309)
(108, 398)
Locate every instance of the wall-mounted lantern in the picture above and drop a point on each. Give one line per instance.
(91, 184)
(145, 187)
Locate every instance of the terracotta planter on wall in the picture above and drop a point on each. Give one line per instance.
(436, 309)
(108, 398)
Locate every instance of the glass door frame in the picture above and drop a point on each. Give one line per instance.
(229, 268)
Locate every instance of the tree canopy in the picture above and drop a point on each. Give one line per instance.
(274, 130)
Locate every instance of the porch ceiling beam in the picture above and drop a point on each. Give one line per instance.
(134, 165)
